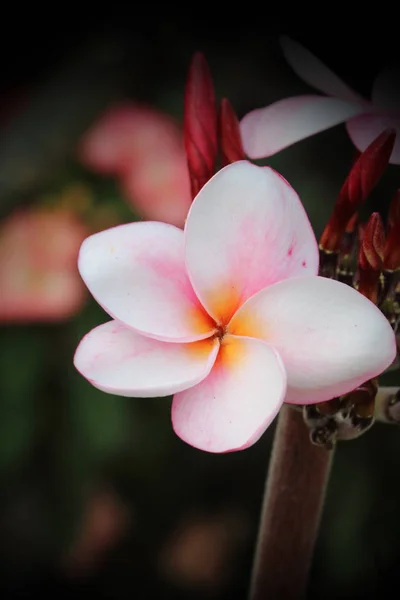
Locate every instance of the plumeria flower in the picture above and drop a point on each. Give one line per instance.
(229, 314)
(143, 148)
(266, 131)
(38, 278)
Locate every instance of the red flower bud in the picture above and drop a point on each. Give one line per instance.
(200, 123)
(363, 177)
(370, 257)
(392, 249)
(229, 132)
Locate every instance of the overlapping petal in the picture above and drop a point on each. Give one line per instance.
(331, 339)
(313, 71)
(234, 405)
(268, 130)
(137, 273)
(365, 128)
(120, 361)
(246, 229)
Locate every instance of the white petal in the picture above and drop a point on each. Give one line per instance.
(234, 405)
(363, 130)
(311, 70)
(137, 273)
(246, 229)
(266, 131)
(330, 337)
(120, 361)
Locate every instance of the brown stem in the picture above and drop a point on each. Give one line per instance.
(291, 511)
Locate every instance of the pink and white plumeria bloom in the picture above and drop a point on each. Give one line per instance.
(229, 314)
(266, 131)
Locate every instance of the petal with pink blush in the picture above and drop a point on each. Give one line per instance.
(136, 272)
(234, 405)
(386, 90)
(313, 71)
(120, 361)
(365, 128)
(246, 229)
(330, 337)
(266, 131)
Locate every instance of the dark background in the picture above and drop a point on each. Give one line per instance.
(63, 444)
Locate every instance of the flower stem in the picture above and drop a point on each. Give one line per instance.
(291, 511)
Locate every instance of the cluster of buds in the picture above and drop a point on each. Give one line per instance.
(362, 255)
(365, 256)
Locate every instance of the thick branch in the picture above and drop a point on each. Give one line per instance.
(293, 501)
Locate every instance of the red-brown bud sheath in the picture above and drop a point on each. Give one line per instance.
(367, 171)
(363, 177)
(200, 123)
(391, 261)
(352, 224)
(229, 134)
(372, 247)
(370, 257)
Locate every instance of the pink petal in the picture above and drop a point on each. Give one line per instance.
(386, 91)
(158, 188)
(137, 273)
(234, 405)
(365, 128)
(311, 70)
(266, 131)
(330, 337)
(120, 361)
(246, 229)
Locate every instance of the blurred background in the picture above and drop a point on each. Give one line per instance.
(97, 495)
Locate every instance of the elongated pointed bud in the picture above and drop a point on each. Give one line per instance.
(229, 134)
(370, 258)
(391, 262)
(373, 244)
(392, 248)
(200, 123)
(363, 177)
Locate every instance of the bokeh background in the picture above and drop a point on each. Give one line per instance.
(97, 495)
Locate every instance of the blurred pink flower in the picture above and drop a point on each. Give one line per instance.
(266, 131)
(228, 314)
(143, 147)
(38, 276)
